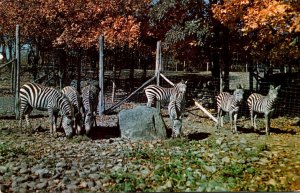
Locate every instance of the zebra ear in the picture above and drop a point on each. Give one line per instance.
(278, 87)
(239, 86)
(272, 87)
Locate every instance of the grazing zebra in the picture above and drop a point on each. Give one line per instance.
(35, 96)
(75, 99)
(176, 109)
(229, 103)
(263, 104)
(154, 92)
(90, 101)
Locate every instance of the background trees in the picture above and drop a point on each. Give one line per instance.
(268, 29)
(192, 32)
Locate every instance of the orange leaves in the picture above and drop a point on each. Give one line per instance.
(75, 23)
(121, 30)
(270, 25)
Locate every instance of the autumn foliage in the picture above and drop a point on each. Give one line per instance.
(76, 23)
(188, 29)
(271, 27)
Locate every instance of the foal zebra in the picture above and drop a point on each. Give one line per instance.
(75, 100)
(229, 103)
(176, 109)
(90, 101)
(154, 92)
(35, 96)
(263, 104)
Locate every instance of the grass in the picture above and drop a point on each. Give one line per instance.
(8, 151)
(183, 165)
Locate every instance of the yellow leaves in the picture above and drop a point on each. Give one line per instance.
(295, 25)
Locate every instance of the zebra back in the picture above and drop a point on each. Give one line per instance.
(228, 102)
(42, 98)
(73, 96)
(90, 98)
(176, 106)
(262, 104)
(47, 98)
(163, 94)
(176, 110)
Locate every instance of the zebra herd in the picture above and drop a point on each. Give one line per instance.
(79, 110)
(72, 106)
(226, 102)
(257, 103)
(176, 97)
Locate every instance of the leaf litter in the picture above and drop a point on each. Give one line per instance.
(204, 160)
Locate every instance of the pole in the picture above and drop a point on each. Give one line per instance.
(101, 104)
(17, 73)
(205, 111)
(158, 67)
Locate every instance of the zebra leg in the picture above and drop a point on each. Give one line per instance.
(267, 122)
(218, 120)
(149, 103)
(52, 120)
(251, 118)
(222, 119)
(25, 111)
(234, 122)
(254, 122)
(231, 121)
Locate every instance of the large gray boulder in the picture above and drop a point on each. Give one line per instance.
(142, 123)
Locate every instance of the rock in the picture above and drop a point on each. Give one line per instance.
(61, 165)
(142, 123)
(42, 173)
(91, 184)
(24, 171)
(42, 185)
(3, 169)
(94, 176)
(83, 184)
(72, 187)
(226, 160)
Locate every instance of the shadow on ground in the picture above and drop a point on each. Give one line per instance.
(198, 136)
(104, 133)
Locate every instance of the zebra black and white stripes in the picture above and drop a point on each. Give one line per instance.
(263, 104)
(231, 104)
(176, 109)
(154, 92)
(35, 96)
(75, 99)
(90, 102)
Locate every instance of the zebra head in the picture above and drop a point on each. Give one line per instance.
(67, 111)
(239, 94)
(88, 122)
(177, 125)
(181, 87)
(67, 124)
(273, 92)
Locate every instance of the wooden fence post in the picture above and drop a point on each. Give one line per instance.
(17, 73)
(101, 104)
(158, 67)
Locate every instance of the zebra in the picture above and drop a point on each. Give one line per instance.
(258, 103)
(35, 96)
(176, 110)
(231, 104)
(90, 101)
(75, 99)
(154, 92)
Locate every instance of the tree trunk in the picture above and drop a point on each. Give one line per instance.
(226, 57)
(250, 69)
